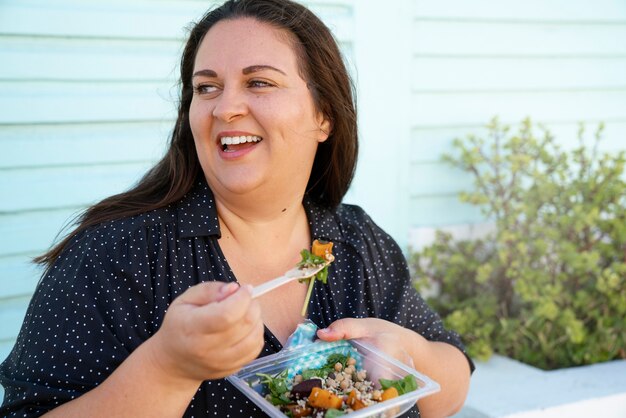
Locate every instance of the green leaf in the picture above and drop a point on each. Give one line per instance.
(277, 386)
(336, 358)
(311, 260)
(404, 385)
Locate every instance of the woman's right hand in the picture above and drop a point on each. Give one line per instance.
(209, 332)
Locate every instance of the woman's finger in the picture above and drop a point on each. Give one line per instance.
(220, 316)
(207, 292)
(344, 329)
(241, 352)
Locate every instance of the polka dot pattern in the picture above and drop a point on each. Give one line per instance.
(109, 291)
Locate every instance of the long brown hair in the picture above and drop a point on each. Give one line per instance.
(321, 65)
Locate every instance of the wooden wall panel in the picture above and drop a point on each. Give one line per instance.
(19, 276)
(441, 211)
(558, 62)
(34, 231)
(46, 187)
(509, 74)
(71, 144)
(435, 109)
(562, 11)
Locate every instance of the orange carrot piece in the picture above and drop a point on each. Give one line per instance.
(321, 398)
(390, 393)
(322, 249)
(354, 402)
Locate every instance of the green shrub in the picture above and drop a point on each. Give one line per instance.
(547, 285)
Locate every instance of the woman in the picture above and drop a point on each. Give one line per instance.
(262, 152)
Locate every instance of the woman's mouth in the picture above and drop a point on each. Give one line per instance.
(238, 143)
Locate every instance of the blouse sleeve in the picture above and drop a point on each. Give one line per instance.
(89, 311)
(400, 301)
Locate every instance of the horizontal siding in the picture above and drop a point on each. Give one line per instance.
(19, 275)
(12, 316)
(47, 102)
(50, 145)
(441, 210)
(433, 109)
(471, 38)
(5, 348)
(557, 62)
(32, 232)
(87, 19)
(429, 144)
(77, 59)
(118, 19)
(562, 11)
(436, 179)
(451, 74)
(43, 188)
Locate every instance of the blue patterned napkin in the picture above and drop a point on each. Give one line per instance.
(314, 354)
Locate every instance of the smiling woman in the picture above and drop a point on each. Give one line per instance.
(252, 87)
(146, 306)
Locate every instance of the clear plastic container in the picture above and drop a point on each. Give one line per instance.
(376, 363)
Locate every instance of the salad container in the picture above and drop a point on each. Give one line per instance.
(377, 364)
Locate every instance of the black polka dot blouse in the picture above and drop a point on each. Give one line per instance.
(109, 290)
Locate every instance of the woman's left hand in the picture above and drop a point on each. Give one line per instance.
(441, 361)
(384, 335)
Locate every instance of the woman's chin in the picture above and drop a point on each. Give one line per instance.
(237, 187)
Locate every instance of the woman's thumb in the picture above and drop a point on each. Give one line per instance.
(343, 329)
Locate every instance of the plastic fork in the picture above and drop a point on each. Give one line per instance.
(295, 273)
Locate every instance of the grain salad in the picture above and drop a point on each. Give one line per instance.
(335, 389)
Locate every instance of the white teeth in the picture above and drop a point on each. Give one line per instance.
(234, 140)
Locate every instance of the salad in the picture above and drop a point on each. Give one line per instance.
(333, 390)
(321, 254)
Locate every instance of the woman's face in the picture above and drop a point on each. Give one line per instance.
(254, 122)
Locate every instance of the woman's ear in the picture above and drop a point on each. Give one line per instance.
(325, 127)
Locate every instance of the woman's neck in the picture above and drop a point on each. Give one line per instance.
(251, 224)
(264, 241)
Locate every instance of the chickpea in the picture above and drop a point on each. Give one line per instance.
(344, 384)
(361, 375)
(377, 395)
(338, 367)
(351, 361)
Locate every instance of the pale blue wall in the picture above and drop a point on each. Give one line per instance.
(87, 93)
(559, 62)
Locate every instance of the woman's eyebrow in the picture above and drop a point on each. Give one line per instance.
(256, 68)
(206, 73)
(248, 70)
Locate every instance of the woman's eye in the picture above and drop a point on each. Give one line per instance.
(259, 84)
(205, 89)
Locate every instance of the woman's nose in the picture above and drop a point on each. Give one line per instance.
(230, 105)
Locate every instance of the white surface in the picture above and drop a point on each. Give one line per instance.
(505, 388)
